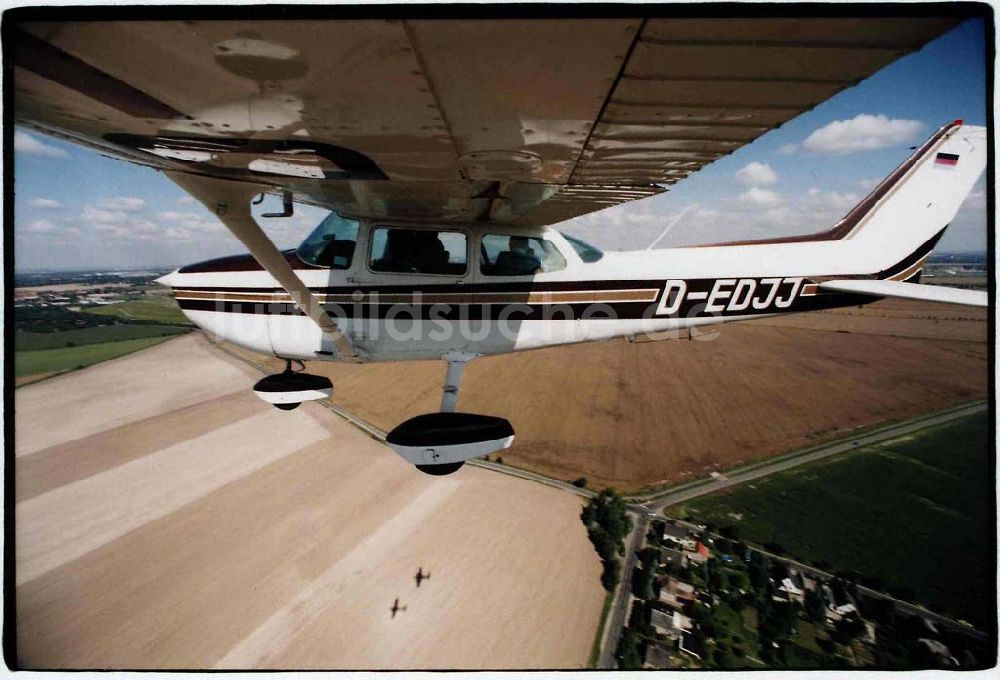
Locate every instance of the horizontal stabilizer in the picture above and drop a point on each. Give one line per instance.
(912, 291)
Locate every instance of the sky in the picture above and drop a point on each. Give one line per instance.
(75, 209)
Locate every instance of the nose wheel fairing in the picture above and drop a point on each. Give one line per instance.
(288, 389)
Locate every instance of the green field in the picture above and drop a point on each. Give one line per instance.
(160, 308)
(913, 515)
(25, 341)
(67, 358)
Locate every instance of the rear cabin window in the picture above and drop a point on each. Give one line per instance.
(418, 251)
(503, 255)
(331, 244)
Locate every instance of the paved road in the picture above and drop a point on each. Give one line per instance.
(541, 479)
(619, 607)
(874, 437)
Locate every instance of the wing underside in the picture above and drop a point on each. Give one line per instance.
(524, 122)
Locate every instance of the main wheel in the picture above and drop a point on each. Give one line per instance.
(289, 406)
(439, 470)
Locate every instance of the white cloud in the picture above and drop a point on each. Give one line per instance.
(54, 235)
(190, 222)
(125, 223)
(186, 200)
(756, 213)
(179, 234)
(98, 216)
(32, 146)
(174, 216)
(126, 203)
(756, 174)
(864, 132)
(45, 203)
(830, 200)
(788, 149)
(758, 196)
(144, 227)
(41, 227)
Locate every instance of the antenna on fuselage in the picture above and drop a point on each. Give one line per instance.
(671, 226)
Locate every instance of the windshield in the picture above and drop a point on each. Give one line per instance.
(587, 252)
(331, 244)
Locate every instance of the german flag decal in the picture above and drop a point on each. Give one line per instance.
(946, 159)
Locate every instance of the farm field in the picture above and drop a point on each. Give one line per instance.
(158, 307)
(647, 415)
(50, 361)
(26, 341)
(170, 519)
(913, 515)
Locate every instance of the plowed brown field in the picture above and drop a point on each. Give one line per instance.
(646, 414)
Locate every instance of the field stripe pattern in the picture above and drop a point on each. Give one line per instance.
(153, 531)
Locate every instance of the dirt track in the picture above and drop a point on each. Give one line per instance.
(166, 518)
(633, 415)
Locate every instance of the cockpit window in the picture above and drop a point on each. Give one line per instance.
(418, 251)
(587, 252)
(331, 244)
(503, 255)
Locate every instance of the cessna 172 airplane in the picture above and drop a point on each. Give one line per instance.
(448, 149)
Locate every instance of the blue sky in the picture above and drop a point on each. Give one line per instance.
(77, 209)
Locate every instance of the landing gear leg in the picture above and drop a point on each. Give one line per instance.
(453, 381)
(440, 443)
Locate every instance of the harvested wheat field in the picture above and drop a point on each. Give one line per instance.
(646, 414)
(166, 518)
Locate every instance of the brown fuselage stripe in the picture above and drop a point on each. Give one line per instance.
(911, 270)
(547, 297)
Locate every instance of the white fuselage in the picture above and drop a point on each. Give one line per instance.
(472, 304)
(392, 316)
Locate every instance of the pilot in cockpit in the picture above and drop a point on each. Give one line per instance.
(521, 258)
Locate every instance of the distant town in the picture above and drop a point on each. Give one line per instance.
(69, 320)
(83, 288)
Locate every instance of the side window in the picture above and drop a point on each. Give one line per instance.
(331, 244)
(418, 251)
(503, 255)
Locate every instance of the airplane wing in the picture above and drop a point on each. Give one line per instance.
(911, 291)
(509, 121)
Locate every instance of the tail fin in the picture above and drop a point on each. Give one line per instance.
(892, 231)
(906, 214)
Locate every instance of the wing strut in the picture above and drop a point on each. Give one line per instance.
(230, 201)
